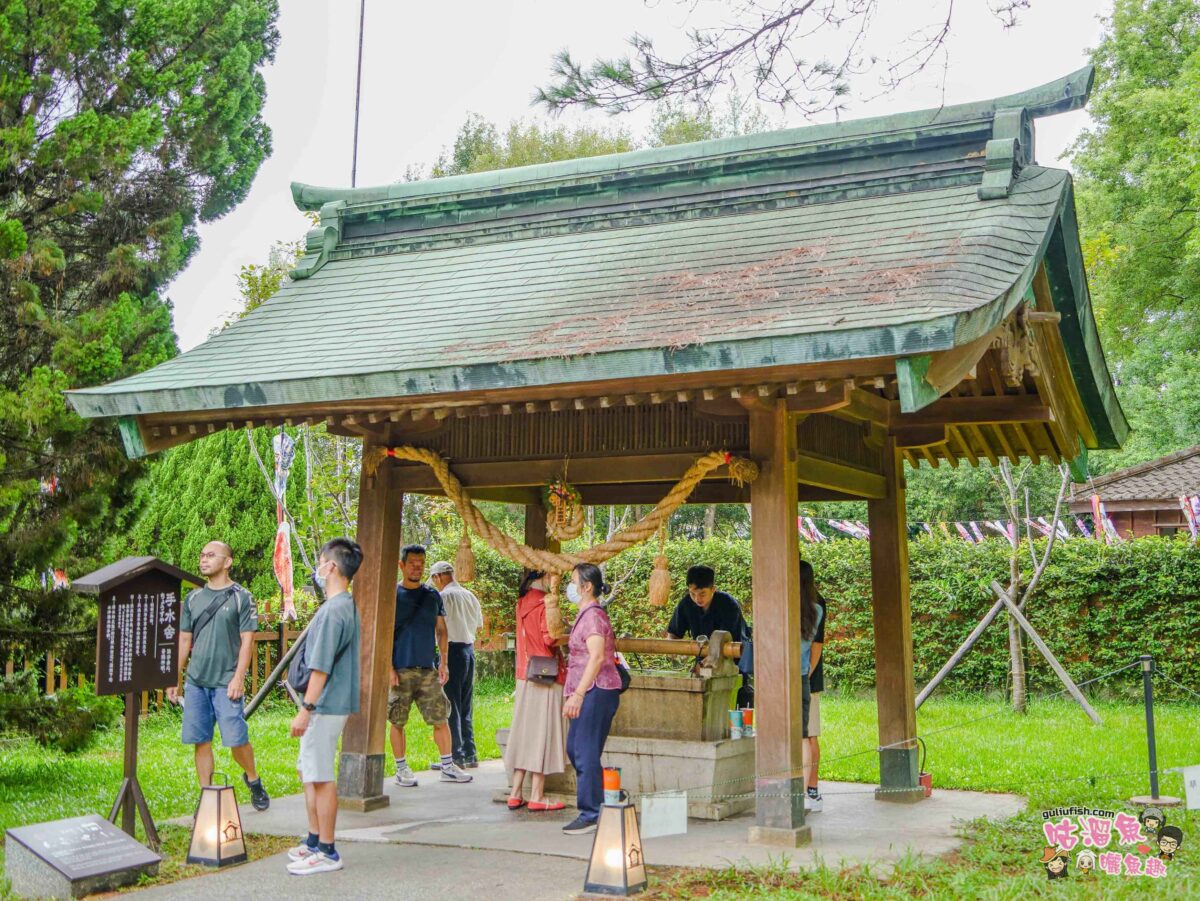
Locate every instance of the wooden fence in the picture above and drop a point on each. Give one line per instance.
(269, 647)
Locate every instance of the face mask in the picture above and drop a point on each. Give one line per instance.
(573, 593)
(319, 579)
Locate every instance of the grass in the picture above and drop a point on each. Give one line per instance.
(37, 785)
(1052, 754)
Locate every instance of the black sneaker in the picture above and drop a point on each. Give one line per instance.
(471, 762)
(258, 795)
(579, 826)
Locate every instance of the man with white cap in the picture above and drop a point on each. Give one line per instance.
(463, 619)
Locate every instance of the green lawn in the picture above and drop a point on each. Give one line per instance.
(1052, 754)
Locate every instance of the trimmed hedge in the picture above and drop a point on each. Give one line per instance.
(1098, 607)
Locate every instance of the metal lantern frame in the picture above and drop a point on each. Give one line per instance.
(616, 832)
(221, 843)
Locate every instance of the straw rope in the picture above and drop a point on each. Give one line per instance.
(741, 471)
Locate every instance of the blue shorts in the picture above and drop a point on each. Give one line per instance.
(204, 708)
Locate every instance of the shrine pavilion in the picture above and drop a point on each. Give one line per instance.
(831, 302)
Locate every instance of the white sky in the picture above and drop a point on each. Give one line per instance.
(427, 65)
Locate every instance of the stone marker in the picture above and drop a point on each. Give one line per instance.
(73, 857)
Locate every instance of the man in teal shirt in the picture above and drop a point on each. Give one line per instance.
(331, 655)
(216, 629)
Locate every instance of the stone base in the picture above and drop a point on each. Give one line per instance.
(364, 805)
(1160, 801)
(900, 795)
(360, 782)
(718, 775)
(781, 838)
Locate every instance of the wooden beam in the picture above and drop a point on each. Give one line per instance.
(976, 411)
(590, 471)
(810, 400)
(923, 379)
(380, 504)
(892, 618)
(775, 555)
(919, 436)
(842, 477)
(958, 438)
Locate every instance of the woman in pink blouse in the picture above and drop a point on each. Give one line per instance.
(592, 692)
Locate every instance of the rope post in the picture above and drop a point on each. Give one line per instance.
(1148, 691)
(1154, 798)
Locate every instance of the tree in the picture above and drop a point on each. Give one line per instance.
(1139, 205)
(124, 125)
(797, 54)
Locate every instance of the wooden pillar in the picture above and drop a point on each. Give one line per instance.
(894, 691)
(535, 529)
(775, 550)
(380, 513)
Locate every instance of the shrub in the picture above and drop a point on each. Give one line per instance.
(1098, 607)
(67, 720)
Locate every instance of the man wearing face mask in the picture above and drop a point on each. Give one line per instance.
(704, 610)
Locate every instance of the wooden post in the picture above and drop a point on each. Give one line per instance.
(535, 529)
(775, 550)
(894, 690)
(49, 672)
(380, 513)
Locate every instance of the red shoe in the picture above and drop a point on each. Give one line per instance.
(515, 803)
(546, 805)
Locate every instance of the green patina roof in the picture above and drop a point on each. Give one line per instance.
(835, 242)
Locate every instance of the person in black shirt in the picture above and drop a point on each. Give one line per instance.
(704, 610)
(816, 681)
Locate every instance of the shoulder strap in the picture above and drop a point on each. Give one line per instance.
(210, 611)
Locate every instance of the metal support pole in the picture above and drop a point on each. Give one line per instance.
(1148, 691)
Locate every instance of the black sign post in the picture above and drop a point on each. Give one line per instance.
(137, 649)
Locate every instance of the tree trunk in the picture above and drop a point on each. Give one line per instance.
(1017, 662)
(710, 520)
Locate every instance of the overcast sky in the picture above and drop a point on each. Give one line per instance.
(427, 65)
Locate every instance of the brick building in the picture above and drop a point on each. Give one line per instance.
(1144, 499)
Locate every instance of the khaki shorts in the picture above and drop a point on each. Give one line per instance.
(419, 686)
(318, 747)
(814, 714)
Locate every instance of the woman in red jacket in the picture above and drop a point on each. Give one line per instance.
(537, 738)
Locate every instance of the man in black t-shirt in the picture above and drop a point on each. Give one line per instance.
(704, 610)
(816, 681)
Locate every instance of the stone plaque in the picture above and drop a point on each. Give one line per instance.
(73, 857)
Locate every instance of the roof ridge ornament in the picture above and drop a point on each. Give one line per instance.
(1009, 150)
(320, 242)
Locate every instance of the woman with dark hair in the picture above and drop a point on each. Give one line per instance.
(536, 740)
(592, 690)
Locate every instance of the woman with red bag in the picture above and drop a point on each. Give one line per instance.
(537, 738)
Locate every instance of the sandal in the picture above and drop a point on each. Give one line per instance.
(546, 805)
(515, 803)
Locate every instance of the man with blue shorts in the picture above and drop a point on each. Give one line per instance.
(216, 629)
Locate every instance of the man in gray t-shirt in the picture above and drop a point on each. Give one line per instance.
(331, 695)
(216, 631)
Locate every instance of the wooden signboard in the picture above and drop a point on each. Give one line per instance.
(137, 649)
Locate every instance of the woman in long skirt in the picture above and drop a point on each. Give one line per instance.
(536, 740)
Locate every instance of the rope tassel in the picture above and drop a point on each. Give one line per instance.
(659, 588)
(464, 558)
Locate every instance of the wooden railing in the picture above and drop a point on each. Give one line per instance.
(269, 646)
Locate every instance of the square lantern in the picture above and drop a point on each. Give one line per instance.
(617, 866)
(217, 839)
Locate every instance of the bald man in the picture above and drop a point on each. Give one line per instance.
(216, 631)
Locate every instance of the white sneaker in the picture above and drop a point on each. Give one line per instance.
(405, 778)
(451, 773)
(314, 863)
(813, 805)
(301, 851)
